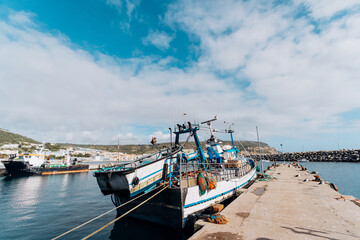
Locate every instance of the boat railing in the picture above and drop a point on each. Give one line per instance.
(184, 174)
(138, 161)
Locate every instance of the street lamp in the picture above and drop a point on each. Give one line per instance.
(282, 151)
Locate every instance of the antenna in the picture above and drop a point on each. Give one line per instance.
(229, 126)
(208, 122)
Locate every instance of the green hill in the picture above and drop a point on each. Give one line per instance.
(141, 149)
(7, 137)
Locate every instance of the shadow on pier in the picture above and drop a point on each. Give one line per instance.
(129, 228)
(315, 233)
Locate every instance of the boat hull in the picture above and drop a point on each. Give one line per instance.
(22, 168)
(174, 207)
(164, 209)
(123, 182)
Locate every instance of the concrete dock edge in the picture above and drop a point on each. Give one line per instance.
(293, 206)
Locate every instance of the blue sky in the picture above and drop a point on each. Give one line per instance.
(97, 70)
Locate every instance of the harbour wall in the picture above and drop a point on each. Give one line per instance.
(318, 156)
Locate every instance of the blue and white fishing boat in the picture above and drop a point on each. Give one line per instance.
(129, 179)
(195, 181)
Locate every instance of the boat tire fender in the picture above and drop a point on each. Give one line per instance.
(165, 171)
(189, 224)
(135, 181)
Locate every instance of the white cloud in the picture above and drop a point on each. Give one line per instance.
(328, 8)
(21, 18)
(160, 136)
(130, 6)
(116, 3)
(160, 40)
(299, 81)
(50, 88)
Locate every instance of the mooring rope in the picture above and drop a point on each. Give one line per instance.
(105, 226)
(93, 219)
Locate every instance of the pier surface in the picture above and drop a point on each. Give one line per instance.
(287, 208)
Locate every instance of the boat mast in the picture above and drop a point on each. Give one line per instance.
(257, 133)
(118, 148)
(183, 129)
(208, 122)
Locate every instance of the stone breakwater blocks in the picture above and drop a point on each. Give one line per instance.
(319, 156)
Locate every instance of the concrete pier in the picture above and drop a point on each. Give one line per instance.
(287, 208)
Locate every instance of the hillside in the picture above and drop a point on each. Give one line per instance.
(7, 137)
(250, 146)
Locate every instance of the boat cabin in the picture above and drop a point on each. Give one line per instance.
(33, 159)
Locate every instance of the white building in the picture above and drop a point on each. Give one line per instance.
(9, 146)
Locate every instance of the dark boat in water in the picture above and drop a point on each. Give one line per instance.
(35, 164)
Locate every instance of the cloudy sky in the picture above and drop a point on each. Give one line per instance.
(98, 70)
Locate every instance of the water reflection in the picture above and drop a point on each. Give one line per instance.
(27, 193)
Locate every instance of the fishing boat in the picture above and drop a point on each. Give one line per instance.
(193, 181)
(129, 179)
(35, 164)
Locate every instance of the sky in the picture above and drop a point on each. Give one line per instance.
(96, 71)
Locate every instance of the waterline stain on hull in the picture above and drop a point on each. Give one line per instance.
(64, 172)
(20, 168)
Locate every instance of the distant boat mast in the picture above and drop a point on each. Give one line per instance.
(118, 148)
(257, 133)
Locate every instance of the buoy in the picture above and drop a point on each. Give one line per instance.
(258, 168)
(333, 186)
(201, 181)
(211, 183)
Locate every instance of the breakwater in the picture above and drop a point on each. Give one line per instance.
(317, 156)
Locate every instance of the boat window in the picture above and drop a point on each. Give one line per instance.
(217, 148)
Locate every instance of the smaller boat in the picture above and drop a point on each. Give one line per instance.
(35, 164)
(303, 160)
(264, 160)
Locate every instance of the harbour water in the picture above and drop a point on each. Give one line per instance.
(344, 175)
(43, 207)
